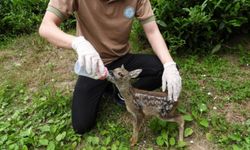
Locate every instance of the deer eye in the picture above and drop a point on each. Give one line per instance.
(120, 74)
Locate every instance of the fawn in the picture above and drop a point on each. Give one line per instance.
(141, 103)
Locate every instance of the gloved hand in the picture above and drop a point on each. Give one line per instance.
(172, 77)
(89, 59)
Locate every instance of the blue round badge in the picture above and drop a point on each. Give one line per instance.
(129, 12)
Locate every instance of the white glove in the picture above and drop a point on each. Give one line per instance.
(88, 58)
(172, 77)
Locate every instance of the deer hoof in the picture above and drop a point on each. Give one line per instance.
(181, 139)
(133, 141)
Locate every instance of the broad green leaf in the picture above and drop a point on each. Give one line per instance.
(61, 136)
(202, 107)
(44, 98)
(26, 133)
(3, 138)
(216, 48)
(159, 141)
(195, 113)
(188, 118)
(182, 109)
(73, 145)
(164, 134)
(235, 137)
(104, 132)
(209, 136)
(162, 123)
(88, 147)
(95, 140)
(204, 123)
(172, 141)
(161, 23)
(117, 142)
(51, 146)
(103, 148)
(235, 147)
(44, 142)
(123, 146)
(248, 122)
(53, 128)
(221, 26)
(247, 139)
(25, 148)
(236, 23)
(114, 147)
(45, 128)
(186, 9)
(188, 132)
(181, 144)
(89, 139)
(13, 146)
(107, 141)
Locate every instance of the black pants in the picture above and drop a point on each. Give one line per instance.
(88, 92)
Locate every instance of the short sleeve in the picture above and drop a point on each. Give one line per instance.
(144, 12)
(62, 8)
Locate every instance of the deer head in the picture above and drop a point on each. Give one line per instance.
(121, 77)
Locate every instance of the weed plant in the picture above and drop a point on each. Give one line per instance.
(187, 26)
(22, 17)
(35, 104)
(200, 26)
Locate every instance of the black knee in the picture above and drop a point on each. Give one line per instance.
(82, 127)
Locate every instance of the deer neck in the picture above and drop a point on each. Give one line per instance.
(126, 91)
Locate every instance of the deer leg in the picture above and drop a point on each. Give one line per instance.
(137, 123)
(180, 121)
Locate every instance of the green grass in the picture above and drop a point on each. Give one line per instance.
(37, 81)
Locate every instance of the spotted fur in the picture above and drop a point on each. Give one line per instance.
(161, 103)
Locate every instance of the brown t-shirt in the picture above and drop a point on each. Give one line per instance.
(106, 24)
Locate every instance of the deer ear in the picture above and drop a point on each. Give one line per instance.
(135, 73)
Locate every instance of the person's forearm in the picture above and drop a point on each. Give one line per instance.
(157, 42)
(55, 35)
